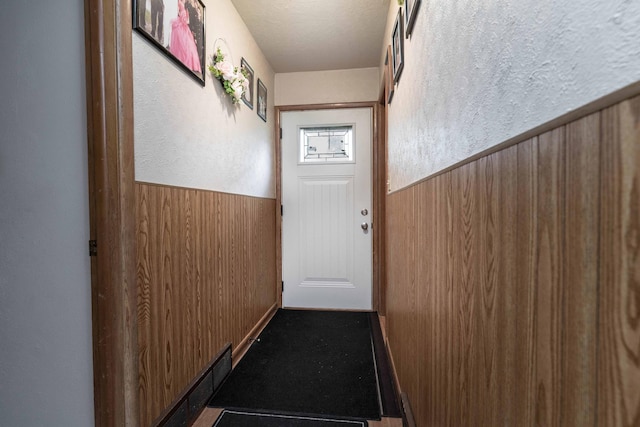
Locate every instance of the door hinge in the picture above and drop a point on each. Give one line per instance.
(280, 133)
(282, 289)
(93, 248)
(281, 210)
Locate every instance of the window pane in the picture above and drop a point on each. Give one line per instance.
(327, 144)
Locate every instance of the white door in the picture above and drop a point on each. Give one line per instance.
(326, 198)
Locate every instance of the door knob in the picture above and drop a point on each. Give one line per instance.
(364, 226)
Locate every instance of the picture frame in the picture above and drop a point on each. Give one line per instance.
(397, 47)
(389, 83)
(184, 43)
(410, 13)
(247, 96)
(262, 101)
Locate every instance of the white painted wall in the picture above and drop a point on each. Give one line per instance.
(46, 373)
(480, 72)
(192, 136)
(323, 87)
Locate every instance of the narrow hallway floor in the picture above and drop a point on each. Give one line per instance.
(311, 363)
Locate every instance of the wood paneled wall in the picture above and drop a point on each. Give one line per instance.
(206, 275)
(514, 282)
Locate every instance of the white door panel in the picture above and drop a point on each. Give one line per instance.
(326, 255)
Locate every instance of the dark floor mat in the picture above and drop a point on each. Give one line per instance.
(307, 362)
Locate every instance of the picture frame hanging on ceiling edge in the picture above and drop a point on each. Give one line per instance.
(388, 75)
(183, 39)
(262, 101)
(397, 46)
(410, 12)
(247, 96)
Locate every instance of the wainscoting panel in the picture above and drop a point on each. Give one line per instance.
(548, 264)
(619, 276)
(582, 216)
(525, 294)
(206, 276)
(514, 281)
(401, 252)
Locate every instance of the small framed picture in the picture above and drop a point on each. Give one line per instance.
(262, 100)
(397, 38)
(247, 97)
(410, 13)
(389, 83)
(177, 29)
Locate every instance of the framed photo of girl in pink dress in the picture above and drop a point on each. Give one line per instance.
(177, 28)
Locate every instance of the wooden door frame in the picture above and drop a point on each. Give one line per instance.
(109, 91)
(382, 188)
(378, 187)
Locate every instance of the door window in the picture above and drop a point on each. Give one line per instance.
(327, 144)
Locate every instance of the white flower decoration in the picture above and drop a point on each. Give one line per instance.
(234, 81)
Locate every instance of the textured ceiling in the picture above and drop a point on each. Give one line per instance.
(314, 35)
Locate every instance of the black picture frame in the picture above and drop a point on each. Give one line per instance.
(410, 13)
(261, 101)
(389, 83)
(247, 96)
(154, 19)
(397, 47)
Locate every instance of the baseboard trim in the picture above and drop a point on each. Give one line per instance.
(390, 354)
(387, 384)
(405, 406)
(407, 418)
(241, 349)
(186, 408)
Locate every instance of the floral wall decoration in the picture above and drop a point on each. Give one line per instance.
(234, 80)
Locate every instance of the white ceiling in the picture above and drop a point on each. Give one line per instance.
(314, 35)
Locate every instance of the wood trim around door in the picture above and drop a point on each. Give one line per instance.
(378, 165)
(109, 82)
(380, 200)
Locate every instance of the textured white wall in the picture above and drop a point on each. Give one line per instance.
(192, 136)
(322, 87)
(46, 371)
(480, 72)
